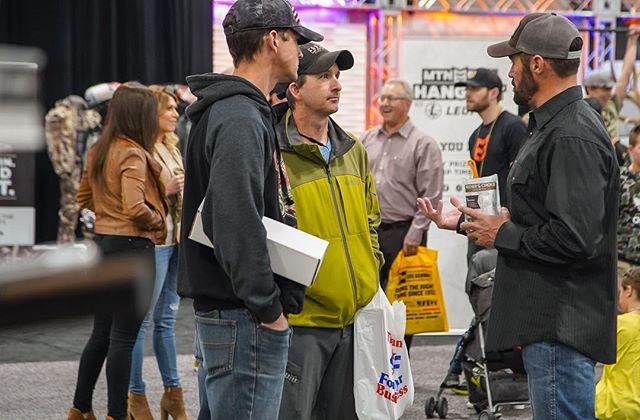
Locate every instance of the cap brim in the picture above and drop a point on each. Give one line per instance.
(468, 83)
(306, 35)
(342, 58)
(501, 49)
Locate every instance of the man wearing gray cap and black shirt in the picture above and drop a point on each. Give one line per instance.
(335, 199)
(233, 167)
(555, 286)
(599, 85)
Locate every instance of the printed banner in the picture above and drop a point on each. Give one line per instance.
(17, 185)
(432, 66)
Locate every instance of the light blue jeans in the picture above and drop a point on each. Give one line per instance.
(243, 365)
(164, 309)
(561, 382)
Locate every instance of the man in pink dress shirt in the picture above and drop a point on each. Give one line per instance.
(406, 164)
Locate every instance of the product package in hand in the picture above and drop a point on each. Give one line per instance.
(482, 194)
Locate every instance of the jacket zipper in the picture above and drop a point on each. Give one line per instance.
(344, 238)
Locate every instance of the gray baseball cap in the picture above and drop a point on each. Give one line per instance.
(599, 78)
(250, 15)
(544, 34)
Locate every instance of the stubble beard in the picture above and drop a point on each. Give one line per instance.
(523, 93)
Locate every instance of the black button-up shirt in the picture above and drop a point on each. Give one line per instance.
(556, 270)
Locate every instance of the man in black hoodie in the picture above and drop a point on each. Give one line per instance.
(233, 167)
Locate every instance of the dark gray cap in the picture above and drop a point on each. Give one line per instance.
(599, 78)
(250, 15)
(544, 34)
(317, 59)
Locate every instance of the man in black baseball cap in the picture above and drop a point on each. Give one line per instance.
(555, 281)
(494, 144)
(317, 59)
(234, 177)
(482, 77)
(319, 379)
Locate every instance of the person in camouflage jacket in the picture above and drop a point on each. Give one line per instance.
(629, 210)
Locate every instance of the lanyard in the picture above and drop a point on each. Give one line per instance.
(482, 145)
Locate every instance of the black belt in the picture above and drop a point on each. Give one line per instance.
(396, 225)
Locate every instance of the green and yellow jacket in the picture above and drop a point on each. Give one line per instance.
(337, 202)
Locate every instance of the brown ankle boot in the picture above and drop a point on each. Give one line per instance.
(172, 403)
(138, 407)
(75, 414)
(111, 418)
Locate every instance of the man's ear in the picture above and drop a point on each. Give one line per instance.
(271, 41)
(294, 89)
(537, 65)
(494, 93)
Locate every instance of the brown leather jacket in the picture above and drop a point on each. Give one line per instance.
(131, 202)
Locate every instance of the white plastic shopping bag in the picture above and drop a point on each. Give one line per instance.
(383, 384)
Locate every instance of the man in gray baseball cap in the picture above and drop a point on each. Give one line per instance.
(544, 34)
(601, 86)
(549, 41)
(555, 282)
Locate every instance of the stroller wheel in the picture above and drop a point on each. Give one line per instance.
(442, 407)
(487, 415)
(430, 407)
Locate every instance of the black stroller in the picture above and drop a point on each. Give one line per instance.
(494, 380)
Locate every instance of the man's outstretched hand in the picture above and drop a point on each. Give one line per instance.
(448, 220)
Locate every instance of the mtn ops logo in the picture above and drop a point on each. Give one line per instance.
(437, 94)
(438, 84)
(433, 110)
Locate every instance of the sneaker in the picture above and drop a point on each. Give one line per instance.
(461, 388)
(451, 381)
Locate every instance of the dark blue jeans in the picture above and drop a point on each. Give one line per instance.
(561, 382)
(112, 338)
(243, 366)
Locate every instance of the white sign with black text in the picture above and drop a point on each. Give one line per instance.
(432, 66)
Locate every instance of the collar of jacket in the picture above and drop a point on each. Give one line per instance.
(153, 165)
(290, 140)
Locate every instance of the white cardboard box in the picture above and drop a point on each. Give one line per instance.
(294, 254)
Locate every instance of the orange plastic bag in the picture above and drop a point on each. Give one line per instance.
(415, 281)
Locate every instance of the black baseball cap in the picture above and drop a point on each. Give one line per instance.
(544, 34)
(317, 59)
(249, 15)
(482, 77)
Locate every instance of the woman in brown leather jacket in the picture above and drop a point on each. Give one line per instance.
(121, 184)
(165, 300)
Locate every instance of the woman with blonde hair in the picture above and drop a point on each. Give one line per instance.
(121, 184)
(165, 300)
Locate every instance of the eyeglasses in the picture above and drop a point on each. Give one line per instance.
(391, 98)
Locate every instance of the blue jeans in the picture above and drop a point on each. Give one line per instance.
(243, 366)
(561, 382)
(164, 309)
